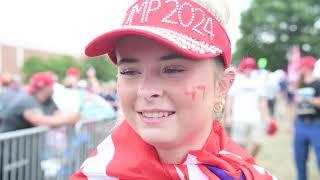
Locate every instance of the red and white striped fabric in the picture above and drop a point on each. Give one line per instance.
(124, 155)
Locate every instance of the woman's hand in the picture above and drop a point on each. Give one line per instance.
(91, 72)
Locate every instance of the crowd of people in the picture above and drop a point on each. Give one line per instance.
(45, 102)
(259, 99)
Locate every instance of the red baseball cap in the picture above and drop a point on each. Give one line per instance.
(183, 25)
(247, 62)
(307, 62)
(72, 71)
(40, 80)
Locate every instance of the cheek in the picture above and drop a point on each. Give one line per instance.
(198, 98)
(126, 93)
(195, 104)
(195, 92)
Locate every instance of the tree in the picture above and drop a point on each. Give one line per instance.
(105, 70)
(271, 28)
(56, 64)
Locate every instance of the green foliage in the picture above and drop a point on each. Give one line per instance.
(56, 64)
(61, 64)
(32, 65)
(105, 70)
(271, 28)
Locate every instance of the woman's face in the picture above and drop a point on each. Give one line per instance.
(248, 71)
(166, 98)
(45, 94)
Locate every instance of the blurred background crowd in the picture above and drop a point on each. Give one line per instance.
(45, 95)
(278, 47)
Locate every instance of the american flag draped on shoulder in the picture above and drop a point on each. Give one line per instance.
(124, 155)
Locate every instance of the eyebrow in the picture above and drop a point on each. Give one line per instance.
(162, 58)
(127, 60)
(171, 57)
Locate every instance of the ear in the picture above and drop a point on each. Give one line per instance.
(225, 83)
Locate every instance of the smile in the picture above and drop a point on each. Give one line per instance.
(156, 114)
(155, 117)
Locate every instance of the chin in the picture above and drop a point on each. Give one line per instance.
(163, 134)
(157, 137)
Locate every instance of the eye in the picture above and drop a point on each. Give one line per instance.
(173, 69)
(129, 72)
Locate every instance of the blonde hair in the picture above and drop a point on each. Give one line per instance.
(219, 8)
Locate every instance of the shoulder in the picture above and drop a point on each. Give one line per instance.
(25, 98)
(18, 101)
(29, 101)
(24, 102)
(229, 146)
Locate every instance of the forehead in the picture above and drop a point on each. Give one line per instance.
(140, 47)
(139, 42)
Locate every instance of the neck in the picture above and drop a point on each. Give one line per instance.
(176, 154)
(172, 156)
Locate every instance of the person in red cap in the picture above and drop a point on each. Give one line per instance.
(72, 78)
(36, 108)
(173, 60)
(306, 121)
(247, 111)
(72, 71)
(247, 65)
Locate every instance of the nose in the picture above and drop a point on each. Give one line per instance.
(149, 89)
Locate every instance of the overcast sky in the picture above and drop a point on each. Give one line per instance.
(66, 26)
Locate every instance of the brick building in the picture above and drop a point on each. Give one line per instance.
(12, 58)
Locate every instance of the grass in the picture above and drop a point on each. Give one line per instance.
(277, 156)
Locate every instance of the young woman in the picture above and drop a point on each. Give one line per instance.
(173, 60)
(307, 116)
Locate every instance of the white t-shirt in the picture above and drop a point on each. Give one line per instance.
(67, 100)
(273, 84)
(303, 106)
(246, 92)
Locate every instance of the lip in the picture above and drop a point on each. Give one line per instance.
(155, 121)
(154, 110)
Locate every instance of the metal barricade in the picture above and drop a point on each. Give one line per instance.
(43, 153)
(75, 146)
(20, 154)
